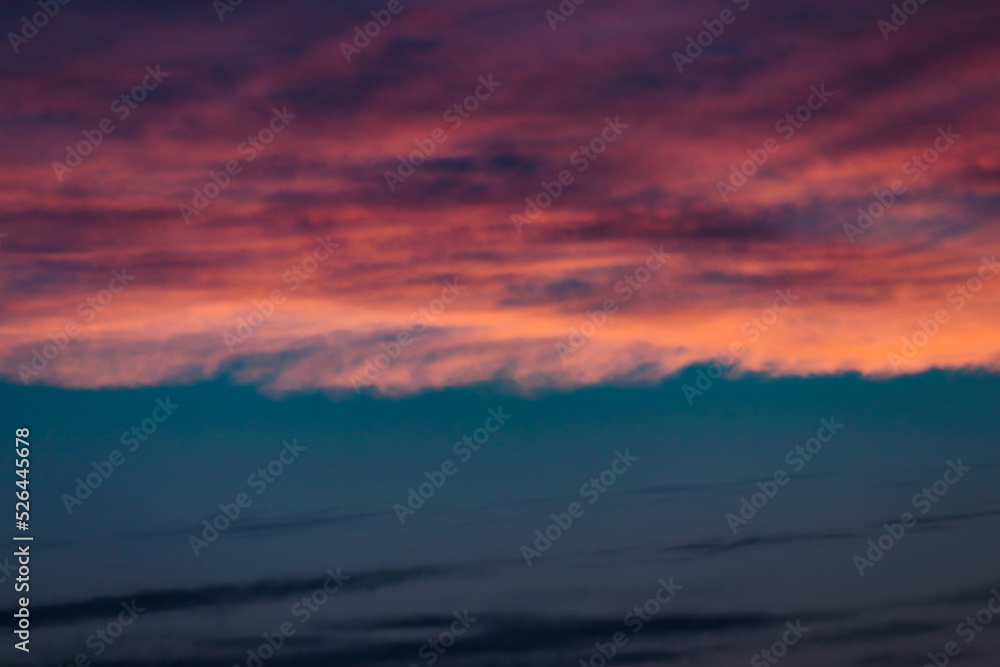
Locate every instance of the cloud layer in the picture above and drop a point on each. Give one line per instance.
(641, 147)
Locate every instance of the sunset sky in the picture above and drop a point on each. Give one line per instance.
(323, 176)
(457, 259)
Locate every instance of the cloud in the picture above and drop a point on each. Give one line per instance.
(162, 601)
(657, 184)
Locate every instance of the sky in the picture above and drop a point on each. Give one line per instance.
(134, 536)
(522, 288)
(382, 320)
